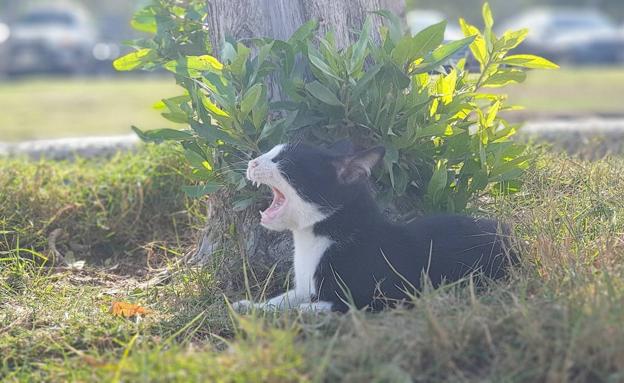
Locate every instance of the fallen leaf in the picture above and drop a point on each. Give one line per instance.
(127, 310)
(93, 362)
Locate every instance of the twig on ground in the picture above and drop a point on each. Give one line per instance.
(55, 255)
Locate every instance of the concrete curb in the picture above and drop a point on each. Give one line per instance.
(89, 147)
(68, 148)
(582, 125)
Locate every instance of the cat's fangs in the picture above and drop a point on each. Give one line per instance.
(346, 253)
(279, 201)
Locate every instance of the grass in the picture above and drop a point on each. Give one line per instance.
(62, 107)
(51, 108)
(102, 210)
(571, 92)
(558, 318)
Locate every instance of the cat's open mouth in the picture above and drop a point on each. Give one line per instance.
(274, 210)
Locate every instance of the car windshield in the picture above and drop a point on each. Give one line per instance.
(47, 18)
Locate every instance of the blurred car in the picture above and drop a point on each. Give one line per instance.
(421, 19)
(104, 53)
(418, 20)
(580, 36)
(55, 39)
(5, 32)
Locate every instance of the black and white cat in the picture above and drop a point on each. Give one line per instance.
(346, 251)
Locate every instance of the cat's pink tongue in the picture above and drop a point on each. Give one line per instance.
(272, 211)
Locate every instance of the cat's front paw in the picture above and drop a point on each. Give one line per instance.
(242, 305)
(315, 307)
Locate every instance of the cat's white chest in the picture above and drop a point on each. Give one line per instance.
(309, 249)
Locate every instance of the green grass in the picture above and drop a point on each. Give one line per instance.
(105, 210)
(62, 107)
(51, 108)
(559, 317)
(571, 91)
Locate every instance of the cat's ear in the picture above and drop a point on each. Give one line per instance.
(357, 167)
(343, 147)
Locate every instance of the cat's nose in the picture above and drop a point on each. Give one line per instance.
(251, 165)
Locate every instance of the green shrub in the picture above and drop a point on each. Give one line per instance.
(445, 141)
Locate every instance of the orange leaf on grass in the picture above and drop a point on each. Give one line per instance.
(93, 362)
(127, 310)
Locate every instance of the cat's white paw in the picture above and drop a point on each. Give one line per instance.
(242, 305)
(245, 306)
(315, 307)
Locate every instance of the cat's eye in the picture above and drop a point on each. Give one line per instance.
(277, 158)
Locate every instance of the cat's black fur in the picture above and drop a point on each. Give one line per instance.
(372, 261)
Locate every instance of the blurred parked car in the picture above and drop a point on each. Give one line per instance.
(4, 32)
(4, 36)
(104, 53)
(51, 39)
(580, 36)
(420, 19)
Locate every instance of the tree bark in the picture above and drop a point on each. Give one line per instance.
(277, 19)
(280, 18)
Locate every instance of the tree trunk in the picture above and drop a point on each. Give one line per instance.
(280, 18)
(276, 19)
